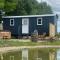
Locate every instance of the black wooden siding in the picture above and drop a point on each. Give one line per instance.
(17, 28)
(41, 28)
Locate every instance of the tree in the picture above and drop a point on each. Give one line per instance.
(0, 16)
(44, 8)
(9, 6)
(26, 7)
(20, 9)
(1, 8)
(1, 4)
(32, 7)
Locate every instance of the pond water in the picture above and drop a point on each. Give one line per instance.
(58, 54)
(32, 54)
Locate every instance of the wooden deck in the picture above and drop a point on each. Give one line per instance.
(5, 34)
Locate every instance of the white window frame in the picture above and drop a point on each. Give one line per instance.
(38, 21)
(10, 22)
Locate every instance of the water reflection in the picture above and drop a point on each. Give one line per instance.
(11, 57)
(24, 54)
(58, 54)
(32, 54)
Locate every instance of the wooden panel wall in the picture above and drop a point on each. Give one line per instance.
(51, 30)
(4, 34)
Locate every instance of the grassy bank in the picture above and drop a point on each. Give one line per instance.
(16, 42)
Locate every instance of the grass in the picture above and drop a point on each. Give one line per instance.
(16, 42)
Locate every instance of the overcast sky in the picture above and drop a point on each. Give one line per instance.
(55, 4)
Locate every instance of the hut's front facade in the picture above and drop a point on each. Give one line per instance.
(25, 25)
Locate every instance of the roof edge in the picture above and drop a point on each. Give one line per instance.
(29, 16)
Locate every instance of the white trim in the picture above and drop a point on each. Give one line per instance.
(29, 16)
(38, 21)
(25, 27)
(10, 22)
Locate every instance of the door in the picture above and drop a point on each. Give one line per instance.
(25, 26)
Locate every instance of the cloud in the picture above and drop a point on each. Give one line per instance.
(55, 4)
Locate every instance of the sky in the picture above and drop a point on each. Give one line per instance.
(55, 4)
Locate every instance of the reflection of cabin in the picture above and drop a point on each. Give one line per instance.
(25, 25)
(30, 54)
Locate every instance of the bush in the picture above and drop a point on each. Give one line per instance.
(58, 35)
(34, 36)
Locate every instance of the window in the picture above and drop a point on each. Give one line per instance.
(25, 21)
(11, 22)
(39, 21)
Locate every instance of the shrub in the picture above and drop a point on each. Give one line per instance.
(34, 36)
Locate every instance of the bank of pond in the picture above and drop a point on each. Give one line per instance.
(32, 54)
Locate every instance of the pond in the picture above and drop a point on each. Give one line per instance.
(32, 54)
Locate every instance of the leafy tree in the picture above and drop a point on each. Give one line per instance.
(1, 4)
(1, 8)
(46, 8)
(24, 7)
(9, 6)
(20, 10)
(32, 7)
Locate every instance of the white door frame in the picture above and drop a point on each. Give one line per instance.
(25, 25)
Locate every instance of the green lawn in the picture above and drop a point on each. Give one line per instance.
(16, 42)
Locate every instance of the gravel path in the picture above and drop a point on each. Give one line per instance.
(7, 49)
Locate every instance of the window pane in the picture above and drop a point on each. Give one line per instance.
(25, 22)
(39, 21)
(11, 22)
